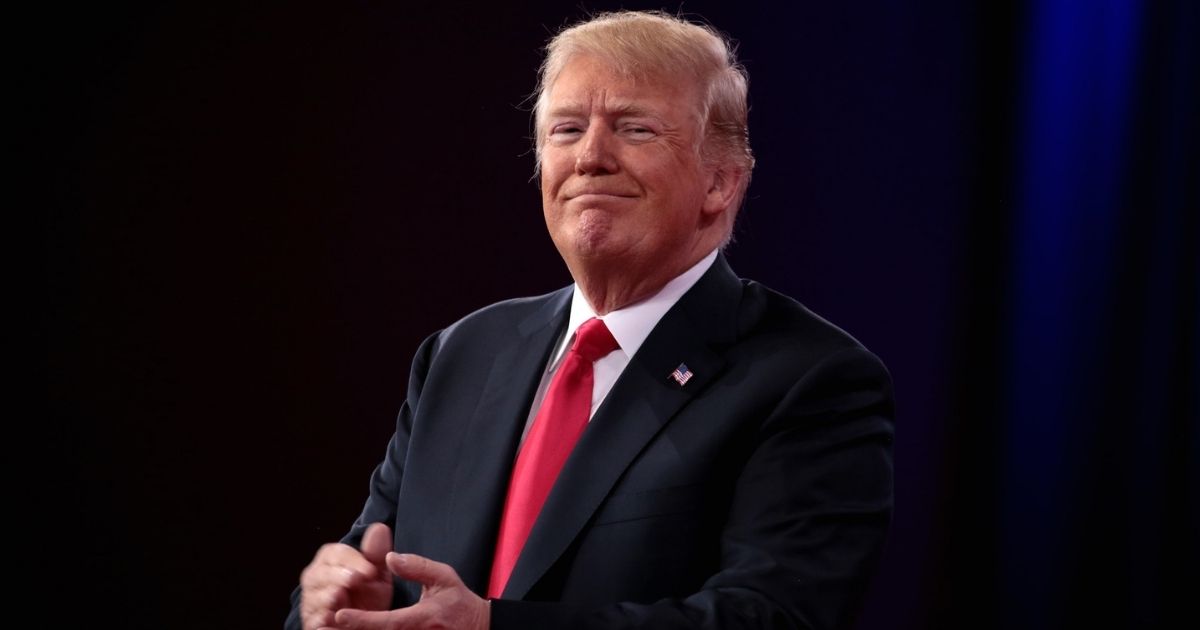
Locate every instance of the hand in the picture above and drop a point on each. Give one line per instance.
(445, 601)
(342, 577)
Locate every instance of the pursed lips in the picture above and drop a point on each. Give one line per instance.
(598, 194)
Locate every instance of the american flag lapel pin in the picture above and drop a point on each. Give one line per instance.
(682, 374)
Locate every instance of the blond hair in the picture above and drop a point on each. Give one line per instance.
(646, 44)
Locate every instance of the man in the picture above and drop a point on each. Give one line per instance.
(661, 445)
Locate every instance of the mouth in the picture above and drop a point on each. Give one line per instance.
(598, 196)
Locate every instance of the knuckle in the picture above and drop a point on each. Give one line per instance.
(329, 550)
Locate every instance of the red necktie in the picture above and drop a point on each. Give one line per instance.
(556, 427)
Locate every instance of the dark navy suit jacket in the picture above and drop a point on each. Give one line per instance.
(758, 495)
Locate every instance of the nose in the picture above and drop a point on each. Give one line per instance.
(595, 156)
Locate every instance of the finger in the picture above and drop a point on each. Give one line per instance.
(340, 555)
(423, 570)
(320, 577)
(319, 622)
(376, 543)
(318, 606)
(355, 619)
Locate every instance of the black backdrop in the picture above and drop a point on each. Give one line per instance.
(257, 213)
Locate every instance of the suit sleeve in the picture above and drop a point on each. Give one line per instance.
(810, 512)
(388, 475)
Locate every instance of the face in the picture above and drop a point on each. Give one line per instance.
(624, 188)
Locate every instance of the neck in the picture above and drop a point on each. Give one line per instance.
(608, 290)
(608, 296)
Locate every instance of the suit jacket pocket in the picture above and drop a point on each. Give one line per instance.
(629, 506)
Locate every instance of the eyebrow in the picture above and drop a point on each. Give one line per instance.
(625, 108)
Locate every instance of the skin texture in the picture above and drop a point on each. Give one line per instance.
(343, 589)
(340, 576)
(627, 198)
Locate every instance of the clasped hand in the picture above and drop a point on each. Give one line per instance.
(345, 589)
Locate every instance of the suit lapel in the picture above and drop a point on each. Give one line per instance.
(483, 467)
(644, 399)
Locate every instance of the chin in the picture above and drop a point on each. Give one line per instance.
(594, 251)
(594, 254)
(593, 233)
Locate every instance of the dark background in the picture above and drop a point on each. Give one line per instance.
(256, 213)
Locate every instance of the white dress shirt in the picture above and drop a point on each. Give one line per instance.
(629, 326)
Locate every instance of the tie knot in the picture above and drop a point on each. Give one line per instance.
(593, 341)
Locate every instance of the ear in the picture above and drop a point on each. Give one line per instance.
(724, 182)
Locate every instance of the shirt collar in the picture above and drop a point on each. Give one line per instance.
(631, 325)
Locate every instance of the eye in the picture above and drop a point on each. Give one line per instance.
(638, 132)
(565, 131)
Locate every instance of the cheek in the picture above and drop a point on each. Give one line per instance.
(556, 167)
(552, 207)
(549, 179)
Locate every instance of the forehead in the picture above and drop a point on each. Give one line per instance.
(587, 82)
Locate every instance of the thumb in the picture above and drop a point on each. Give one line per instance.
(422, 570)
(376, 543)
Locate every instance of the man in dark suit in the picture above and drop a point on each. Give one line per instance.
(661, 445)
